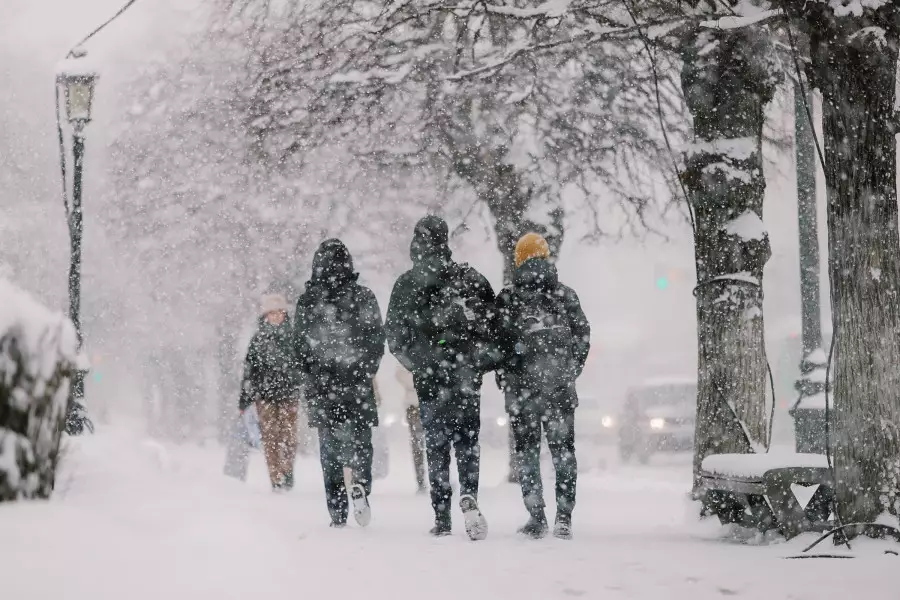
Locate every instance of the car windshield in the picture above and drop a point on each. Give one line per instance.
(663, 400)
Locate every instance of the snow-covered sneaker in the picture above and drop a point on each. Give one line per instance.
(562, 529)
(337, 525)
(361, 510)
(536, 527)
(476, 524)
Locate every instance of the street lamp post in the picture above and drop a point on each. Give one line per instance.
(809, 410)
(75, 81)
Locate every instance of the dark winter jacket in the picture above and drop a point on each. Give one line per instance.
(537, 276)
(461, 335)
(339, 341)
(271, 371)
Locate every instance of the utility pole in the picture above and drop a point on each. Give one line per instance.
(809, 410)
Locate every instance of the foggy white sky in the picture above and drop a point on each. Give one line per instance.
(639, 330)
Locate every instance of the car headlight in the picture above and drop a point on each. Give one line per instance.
(390, 419)
(657, 423)
(501, 421)
(607, 422)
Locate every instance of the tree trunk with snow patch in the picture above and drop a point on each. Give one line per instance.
(855, 62)
(509, 198)
(727, 81)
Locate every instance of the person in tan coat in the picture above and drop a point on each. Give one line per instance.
(272, 381)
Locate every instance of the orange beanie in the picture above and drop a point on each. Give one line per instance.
(531, 245)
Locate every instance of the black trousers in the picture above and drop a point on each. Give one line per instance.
(450, 406)
(559, 427)
(347, 445)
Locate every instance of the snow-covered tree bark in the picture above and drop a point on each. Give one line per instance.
(727, 80)
(854, 61)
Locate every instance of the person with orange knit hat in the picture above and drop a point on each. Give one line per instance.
(531, 245)
(544, 339)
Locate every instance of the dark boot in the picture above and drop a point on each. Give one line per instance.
(536, 527)
(563, 527)
(288, 482)
(442, 526)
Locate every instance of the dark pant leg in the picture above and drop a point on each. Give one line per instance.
(330, 452)
(526, 427)
(561, 440)
(437, 451)
(361, 454)
(433, 396)
(468, 453)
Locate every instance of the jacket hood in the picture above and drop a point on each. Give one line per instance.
(430, 240)
(536, 273)
(332, 265)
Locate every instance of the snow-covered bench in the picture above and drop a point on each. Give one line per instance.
(784, 491)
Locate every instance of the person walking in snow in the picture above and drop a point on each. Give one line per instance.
(438, 327)
(339, 341)
(272, 380)
(544, 338)
(414, 422)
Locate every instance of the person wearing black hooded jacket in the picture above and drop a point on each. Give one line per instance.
(438, 327)
(544, 338)
(339, 341)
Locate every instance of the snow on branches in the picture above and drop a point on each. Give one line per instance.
(38, 354)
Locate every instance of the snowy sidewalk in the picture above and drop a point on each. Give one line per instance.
(134, 519)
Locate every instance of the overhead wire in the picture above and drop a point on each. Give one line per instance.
(101, 27)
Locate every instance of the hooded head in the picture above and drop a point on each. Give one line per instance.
(430, 240)
(270, 303)
(531, 245)
(332, 264)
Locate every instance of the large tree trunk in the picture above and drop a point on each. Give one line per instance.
(727, 82)
(855, 62)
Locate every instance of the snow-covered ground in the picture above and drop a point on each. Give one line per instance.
(134, 519)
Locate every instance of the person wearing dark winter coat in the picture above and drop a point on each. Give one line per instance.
(339, 340)
(438, 327)
(272, 380)
(544, 338)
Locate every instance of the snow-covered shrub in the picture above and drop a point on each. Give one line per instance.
(38, 354)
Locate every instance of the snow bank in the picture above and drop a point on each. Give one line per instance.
(145, 521)
(755, 465)
(38, 351)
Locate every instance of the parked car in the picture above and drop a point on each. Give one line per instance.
(658, 416)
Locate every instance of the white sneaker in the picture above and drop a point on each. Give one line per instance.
(476, 524)
(361, 510)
